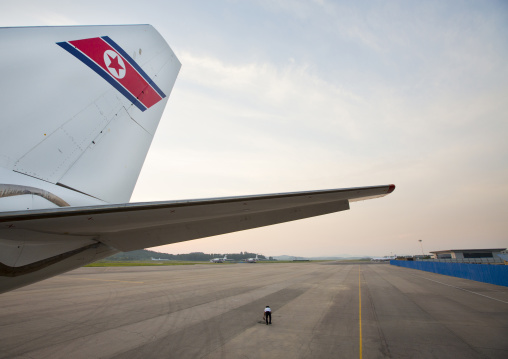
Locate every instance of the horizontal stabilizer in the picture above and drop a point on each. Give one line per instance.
(133, 226)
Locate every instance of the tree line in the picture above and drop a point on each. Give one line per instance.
(144, 254)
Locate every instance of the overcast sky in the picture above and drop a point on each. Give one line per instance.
(277, 96)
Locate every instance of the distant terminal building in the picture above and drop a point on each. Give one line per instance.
(467, 253)
(482, 256)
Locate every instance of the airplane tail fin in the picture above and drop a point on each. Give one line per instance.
(83, 104)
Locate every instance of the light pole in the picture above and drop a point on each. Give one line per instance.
(421, 245)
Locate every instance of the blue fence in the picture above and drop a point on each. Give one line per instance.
(494, 274)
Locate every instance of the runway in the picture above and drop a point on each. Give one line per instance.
(320, 310)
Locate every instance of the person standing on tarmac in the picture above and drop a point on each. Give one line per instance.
(268, 314)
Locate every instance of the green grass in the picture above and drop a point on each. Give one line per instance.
(140, 263)
(291, 261)
(148, 263)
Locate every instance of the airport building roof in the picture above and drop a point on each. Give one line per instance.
(471, 250)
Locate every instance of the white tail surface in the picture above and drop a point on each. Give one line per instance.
(81, 104)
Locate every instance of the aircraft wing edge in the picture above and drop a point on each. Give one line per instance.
(142, 225)
(351, 194)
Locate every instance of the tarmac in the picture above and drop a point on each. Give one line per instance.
(320, 310)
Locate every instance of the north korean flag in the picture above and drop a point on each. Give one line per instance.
(114, 65)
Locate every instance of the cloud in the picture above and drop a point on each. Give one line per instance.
(260, 119)
(236, 129)
(50, 18)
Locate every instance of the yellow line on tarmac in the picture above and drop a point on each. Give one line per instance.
(360, 306)
(109, 280)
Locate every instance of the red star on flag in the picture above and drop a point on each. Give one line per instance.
(114, 64)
